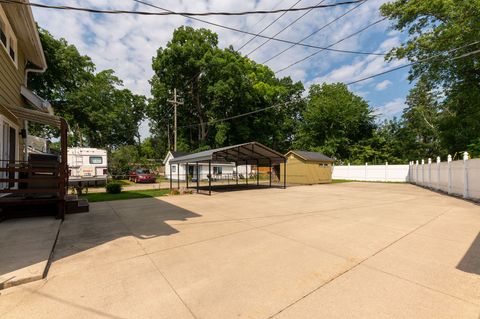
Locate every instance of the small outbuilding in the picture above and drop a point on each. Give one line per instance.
(308, 167)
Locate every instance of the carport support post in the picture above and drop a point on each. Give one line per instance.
(270, 165)
(236, 171)
(246, 172)
(178, 175)
(170, 176)
(285, 173)
(198, 178)
(209, 177)
(258, 175)
(186, 174)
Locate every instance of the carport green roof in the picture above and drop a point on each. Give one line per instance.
(246, 153)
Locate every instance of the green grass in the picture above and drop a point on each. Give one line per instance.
(103, 197)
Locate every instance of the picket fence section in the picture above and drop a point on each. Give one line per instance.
(461, 178)
(372, 173)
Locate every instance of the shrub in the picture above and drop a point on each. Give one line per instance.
(114, 187)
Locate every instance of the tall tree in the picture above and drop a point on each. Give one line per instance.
(215, 84)
(334, 120)
(420, 122)
(439, 27)
(99, 111)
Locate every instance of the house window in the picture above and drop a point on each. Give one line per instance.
(7, 37)
(174, 168)
(12, 49)
(217, 170)
(96, 160)
(3, 33)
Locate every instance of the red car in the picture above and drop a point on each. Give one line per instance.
(142, 175)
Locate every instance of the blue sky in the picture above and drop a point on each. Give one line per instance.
(126, 43)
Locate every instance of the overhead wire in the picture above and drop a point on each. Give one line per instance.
(268, 26)
(260, 35)
(331, 45)
(284, 28)
(170, 12)
(259, 21)
(314, 32)
(442, 55)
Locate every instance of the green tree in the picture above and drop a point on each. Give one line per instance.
(99, 111)
(420, 123)
(110, 116)
(334, 120)
(214, 84)
(439, 27)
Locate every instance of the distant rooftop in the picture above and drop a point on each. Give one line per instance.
(179, 154)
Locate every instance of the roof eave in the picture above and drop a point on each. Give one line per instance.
(22, 21)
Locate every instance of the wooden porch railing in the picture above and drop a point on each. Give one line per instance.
(30, 178)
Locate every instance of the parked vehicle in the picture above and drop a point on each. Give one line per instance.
(142, 175)
(87, 166)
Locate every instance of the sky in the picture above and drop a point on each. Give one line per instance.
(127, 43)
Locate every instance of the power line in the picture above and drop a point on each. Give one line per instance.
(259, 35)
(421, 61)
(268, 26)
(285, 28)
(314, 32)
(237, 116)
(147, 13)
(329, 47)
(350, 83)
(260, 20)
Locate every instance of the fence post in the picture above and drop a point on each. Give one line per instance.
(438, 172)
(423, 172)
(465, 174)
(449, 160)
(429, 172)
(386, 171)
(416, 172)
(366, 167)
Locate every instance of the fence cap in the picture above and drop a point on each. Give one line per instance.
(438, 159)
(449, 158)
(465, 156)
(429, 160)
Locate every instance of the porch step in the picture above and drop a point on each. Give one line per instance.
(74, 205)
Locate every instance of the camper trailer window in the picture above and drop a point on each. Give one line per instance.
(96, 160)
(217, 170)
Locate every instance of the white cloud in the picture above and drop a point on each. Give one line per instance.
(127, 43)
(382, 85)
(391, 109)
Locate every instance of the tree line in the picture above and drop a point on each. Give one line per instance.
(441, 116)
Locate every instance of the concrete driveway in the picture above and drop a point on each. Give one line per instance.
(353, 250)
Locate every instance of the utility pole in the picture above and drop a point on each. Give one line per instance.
(175, 104)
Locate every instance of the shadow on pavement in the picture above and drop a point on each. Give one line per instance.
(471, 260)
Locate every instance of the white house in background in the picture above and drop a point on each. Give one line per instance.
(219, 170)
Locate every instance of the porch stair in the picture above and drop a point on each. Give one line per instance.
(75, 205)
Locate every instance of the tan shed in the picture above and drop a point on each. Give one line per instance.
(308, 168)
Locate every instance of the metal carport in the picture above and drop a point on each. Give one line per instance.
(241, 154)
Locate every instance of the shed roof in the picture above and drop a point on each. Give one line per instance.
(249, 153)
(311, 156)
(179, 154)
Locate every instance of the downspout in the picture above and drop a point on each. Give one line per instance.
(25, 122)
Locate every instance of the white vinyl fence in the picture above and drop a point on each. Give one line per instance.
(372, 173)
(453, 177)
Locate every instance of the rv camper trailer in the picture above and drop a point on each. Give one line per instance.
(87, 166)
